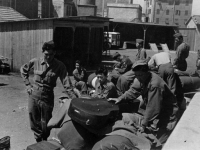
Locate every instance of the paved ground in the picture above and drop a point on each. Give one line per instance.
(13, 111)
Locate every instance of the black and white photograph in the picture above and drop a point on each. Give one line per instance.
(99, 74)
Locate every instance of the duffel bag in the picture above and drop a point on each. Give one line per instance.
(93, 113)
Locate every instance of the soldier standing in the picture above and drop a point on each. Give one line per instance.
(41, 96)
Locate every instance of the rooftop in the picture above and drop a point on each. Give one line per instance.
(9, 14)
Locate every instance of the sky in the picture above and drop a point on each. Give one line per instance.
(196, 7)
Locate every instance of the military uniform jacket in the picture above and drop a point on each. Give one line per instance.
(159, 101)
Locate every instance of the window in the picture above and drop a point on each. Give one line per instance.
(158, 11)
(68, 10)
(167, 20)
(177, 2)
(176, 21)
(186, 2)
(186, 12)
(149, 11)
(178, 12)
(167, 12)
(171, 2)
(150, 2)
(157, 20)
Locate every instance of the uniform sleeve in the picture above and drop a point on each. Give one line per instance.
(123, 68)
(153, 107)
(109, 92)
(24, 70)
(66, 81)
(76, 75)
(79, 77)
(133, 93)
(112, 92)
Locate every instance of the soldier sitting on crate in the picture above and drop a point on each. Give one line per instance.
(80, 77)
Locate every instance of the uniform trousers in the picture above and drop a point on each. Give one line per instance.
(166, 72)
(40, 107)
(81, 86)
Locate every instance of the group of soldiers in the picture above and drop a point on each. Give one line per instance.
(155, 79)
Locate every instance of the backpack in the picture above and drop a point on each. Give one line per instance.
(94, 113)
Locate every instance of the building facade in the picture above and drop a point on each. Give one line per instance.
(169, 12)
(194, 23)
(124, 12)
(102, 5)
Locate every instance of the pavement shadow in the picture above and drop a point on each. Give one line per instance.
(3, 84)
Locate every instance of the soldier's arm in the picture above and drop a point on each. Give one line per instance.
(66, 82)
(24, 70)
(76, 75)
(153, 107)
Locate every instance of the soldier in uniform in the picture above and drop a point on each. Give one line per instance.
(161, 110)
(141, 54)
(125, 62)
(41, 96)
(80, 76)
(182, 52)
(104, 88)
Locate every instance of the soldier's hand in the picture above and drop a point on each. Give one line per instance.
(29, 89)
(116, 100)
(141, 129)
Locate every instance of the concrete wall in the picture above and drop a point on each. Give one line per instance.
(124, 12)
(186, 134)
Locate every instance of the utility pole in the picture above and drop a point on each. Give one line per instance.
(153, 10)
(49, 8)
(102, 8)
(173, 13)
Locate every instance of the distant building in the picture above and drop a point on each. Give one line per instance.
(64, 8)
(124, 12)
(169, 11)
(194, 23)
(9, 14)
(102, 5)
